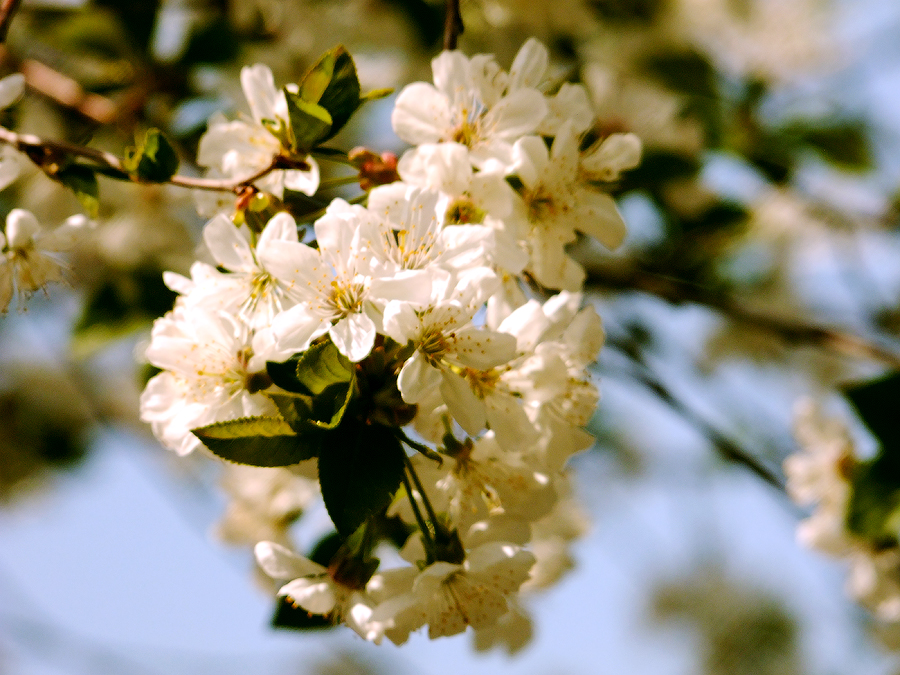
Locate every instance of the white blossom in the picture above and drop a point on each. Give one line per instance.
(239, 148)
(312, 587)
(208, 376)
(556, 204)
(468, 104)
(29, 262)
(449, 597)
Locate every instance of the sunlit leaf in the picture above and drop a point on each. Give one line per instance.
(153, 160)
(258, 441)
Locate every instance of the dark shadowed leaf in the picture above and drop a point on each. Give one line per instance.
(291, 617)
(82, 181)
(360, 469)
(874, 509)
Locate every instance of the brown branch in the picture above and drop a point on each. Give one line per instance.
(44, 152)
(8, 9)
(788, 328)
(67, 92)
(453, 25)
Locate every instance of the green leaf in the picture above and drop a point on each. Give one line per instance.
(775, 154)
(843, 143)
(154, 160)
(657, 168)
(341, 96)
(874, 508)
(686, 72)
(310, 122)
(323, 411)
(82, 181)
(326, 548)
(719, 217)
(212, 42)
(360, 469)
(318, 77)
(258, 441)
(878, 404)
(323, 365)
(312, 371)
(691, 74)
(376, 94)
(284, 374)
(290, 617)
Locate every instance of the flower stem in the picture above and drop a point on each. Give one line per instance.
(421, 490)
(420, 448)
(427, 535)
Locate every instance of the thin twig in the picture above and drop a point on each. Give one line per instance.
(41, 151)
(8, 9)
(453, 25)
(726, 447)
(789, 329)
(225, 185)
(36, 147)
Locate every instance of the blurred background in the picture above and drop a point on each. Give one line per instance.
(765, 208)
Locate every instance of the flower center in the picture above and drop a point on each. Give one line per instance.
(433, 346)
(263, 291)
(541, 205)
(346, 298)
(483, 382)
(462, 212)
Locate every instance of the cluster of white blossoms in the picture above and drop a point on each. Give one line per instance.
(821, 475)
(427, 348)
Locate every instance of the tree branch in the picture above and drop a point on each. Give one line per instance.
(42, 152)
(789, 329)
(8, 9)
(726, 447)
(67, 92)
(453, 25)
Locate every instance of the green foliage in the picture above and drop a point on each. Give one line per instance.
(843, 143)
(718, 217)
(258, 441)
(693, 76)
(153, 160)
(82, 180)
(874, 509)
(328, 96)
(310, 123)
(288, 616)
(119, 305)
(360, 469)
(628, 11)
(341, 96)
(657, 167)
(137, 19)
(426, 17)
(321, 412)
(212, 42)
(312, 371)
